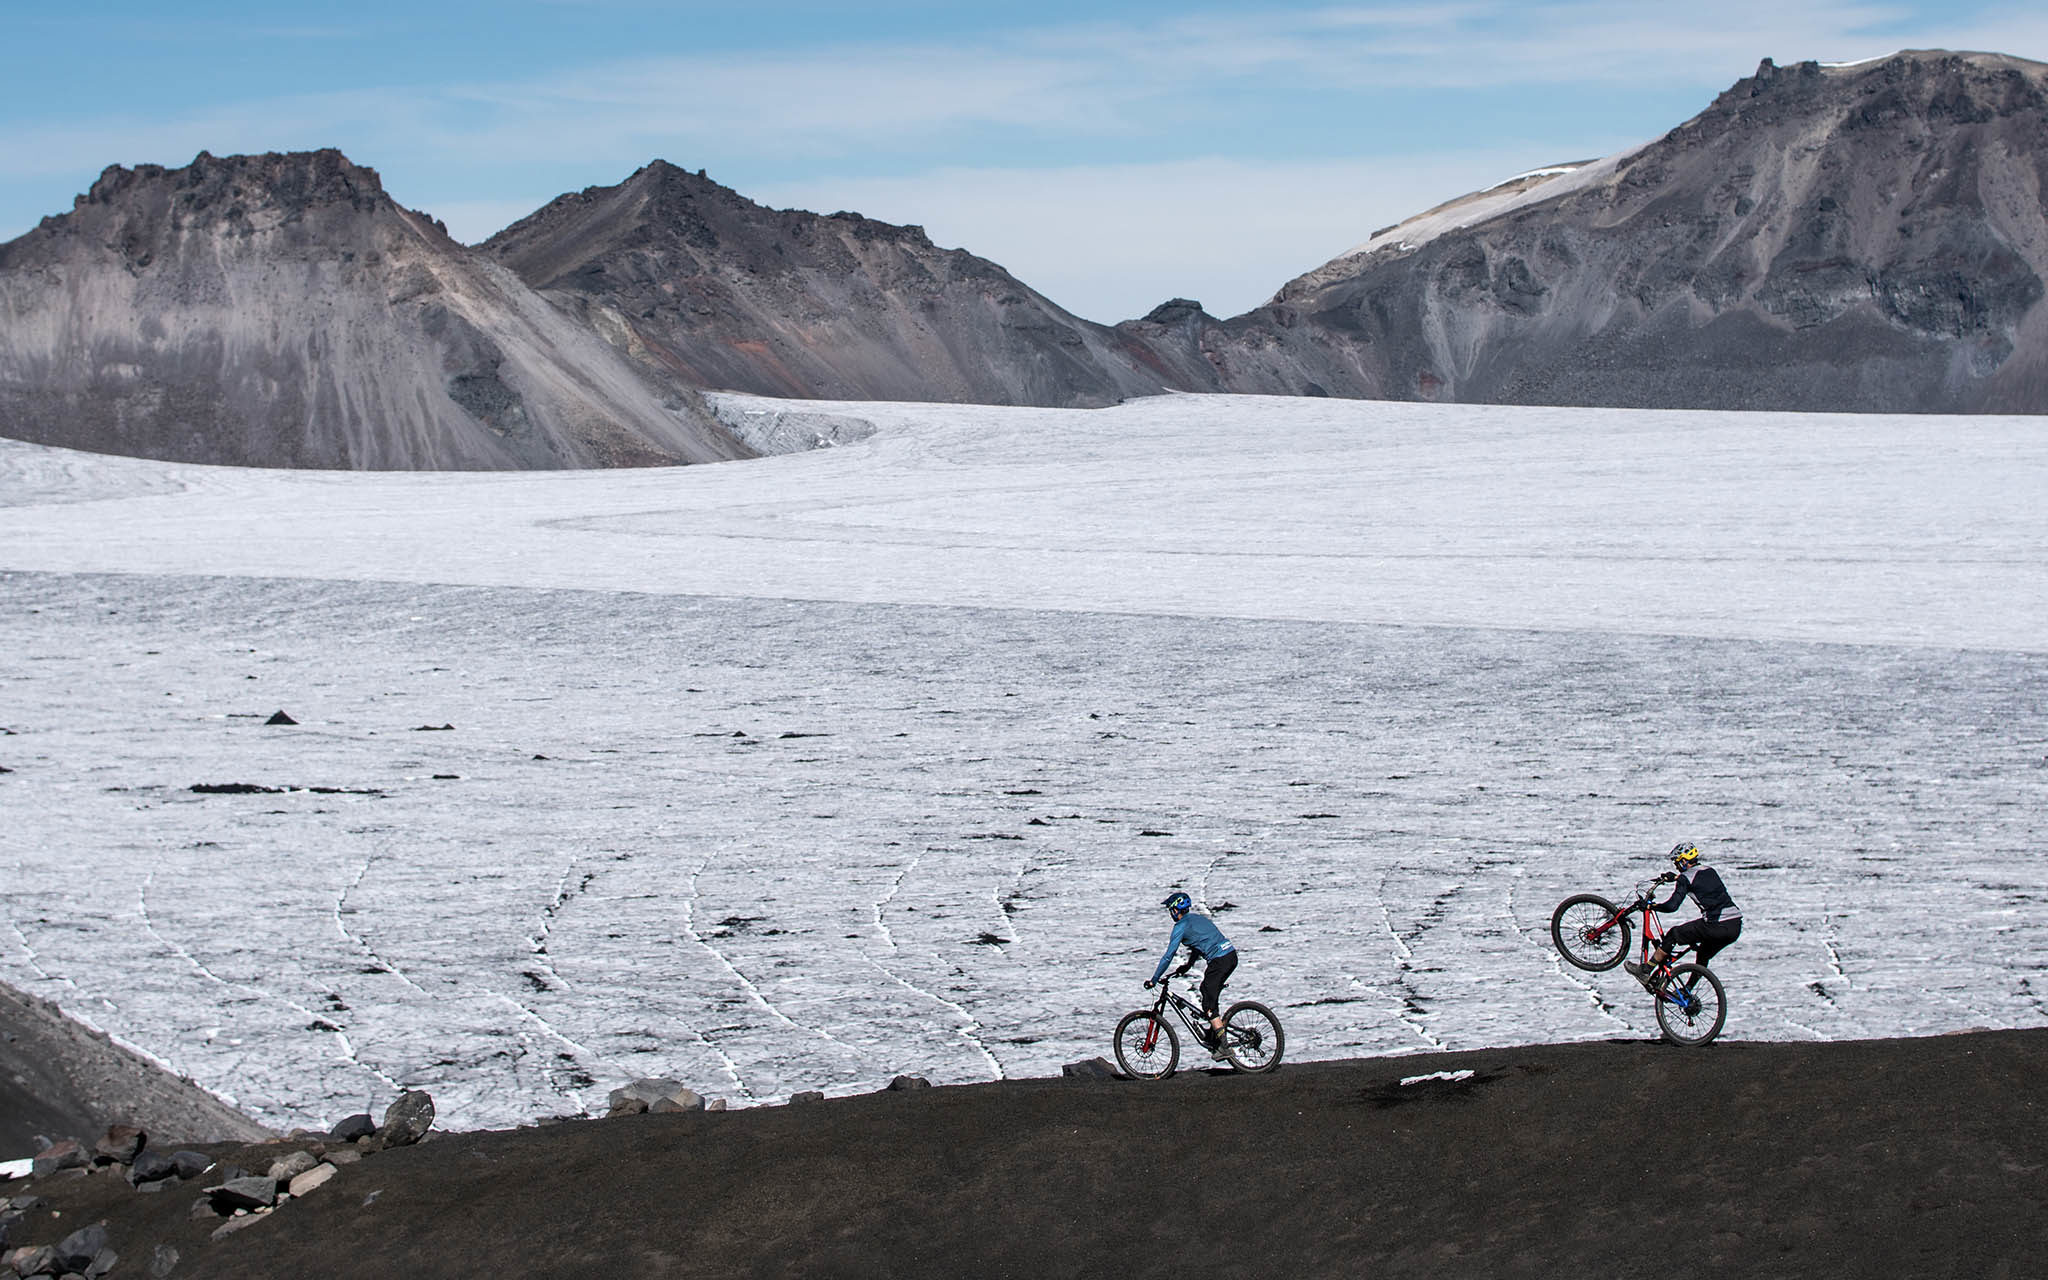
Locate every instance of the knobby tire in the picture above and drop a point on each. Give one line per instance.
(1700, 1027)
(1252, 1038)
(1130, 1042)
(1568, 926)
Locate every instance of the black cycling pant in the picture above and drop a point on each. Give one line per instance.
(1706, 936)
(1213, 977)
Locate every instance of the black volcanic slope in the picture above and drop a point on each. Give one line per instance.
(1870, 237)
(1874, 1158)
(691, 277)
(281, 310)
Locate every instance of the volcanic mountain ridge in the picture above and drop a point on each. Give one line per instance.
(282, 310)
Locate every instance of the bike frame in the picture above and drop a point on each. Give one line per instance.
(1190, 1014)
(1653, 934)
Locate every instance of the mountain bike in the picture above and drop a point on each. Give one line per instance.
(1592, 933)
(1148, 1048)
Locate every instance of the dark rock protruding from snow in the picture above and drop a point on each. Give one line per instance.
(281, 310)
(691, 278)
(1864, 238)
(280, 718)
(407, 1120)
(901, 1083)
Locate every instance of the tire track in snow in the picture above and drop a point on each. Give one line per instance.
(969, 1024)
(1593, 995)
(314, 1021)
(1409, 1007)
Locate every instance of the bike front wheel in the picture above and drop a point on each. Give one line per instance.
(1252, 1038)
(1691, 1006)
(1587, 932)
(1146, 1047)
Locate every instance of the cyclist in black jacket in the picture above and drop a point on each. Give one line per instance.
(1720, 921)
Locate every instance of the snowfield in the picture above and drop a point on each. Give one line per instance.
(805, 772)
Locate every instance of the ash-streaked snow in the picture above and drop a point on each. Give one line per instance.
(805, 772)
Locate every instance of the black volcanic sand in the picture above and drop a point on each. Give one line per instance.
(1865, 1158)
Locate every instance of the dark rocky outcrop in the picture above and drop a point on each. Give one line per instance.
(282, 310)
(693, 279)
(1870, 237)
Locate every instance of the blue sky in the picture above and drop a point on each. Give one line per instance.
(1110, 154)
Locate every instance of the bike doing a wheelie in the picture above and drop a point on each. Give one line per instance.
(1593, 934)
(1148, 1048)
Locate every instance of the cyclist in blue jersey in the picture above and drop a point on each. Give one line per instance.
(1720, 921)
(1201, 936)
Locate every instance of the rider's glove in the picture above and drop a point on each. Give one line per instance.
(1148, 984)
(1667, 877)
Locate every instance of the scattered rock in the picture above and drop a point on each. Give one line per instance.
(716, 1104)
(357, 1126)
(203, 1208)
(102, 1262)
(346, 1155)
(190, 1164)
(433, 728)
(280, 718)
(658, 1094)
(121, 1143)
(626, 1107)
(407, 1120)
(162, 1262)
(312, 1179)
(59, 1155)
(243, 1193)
(1089, 1069)
(77, 1250)
(151, 1167)
(901, 1083)
(41, 1260)
(288, 1167)
(806, 1095)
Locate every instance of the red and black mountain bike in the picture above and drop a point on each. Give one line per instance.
(1148, 1049)
(1592, 933)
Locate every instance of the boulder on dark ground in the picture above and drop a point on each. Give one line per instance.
(407, 1120)
(152, 1166)
(285, 1168)
(252, 1192)
(77, 1250)
(38, 1261)
(190, 1164)
(120, 1144)
(901, 1083)
(1089, 1069)
(60, 1155)
(162, 1261)
(626, 1107)
(102, 1263)
(312, 1179)
(352, 1128)
(654, 1090)
(805, 1095)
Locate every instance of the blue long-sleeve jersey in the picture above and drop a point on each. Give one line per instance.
(1199, 932)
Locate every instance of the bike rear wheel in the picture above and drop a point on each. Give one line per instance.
(1146, 1046)
(1691, 1006)
(1580, 927)
(1252, 1038)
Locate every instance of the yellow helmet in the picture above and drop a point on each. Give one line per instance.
(1684, 855)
